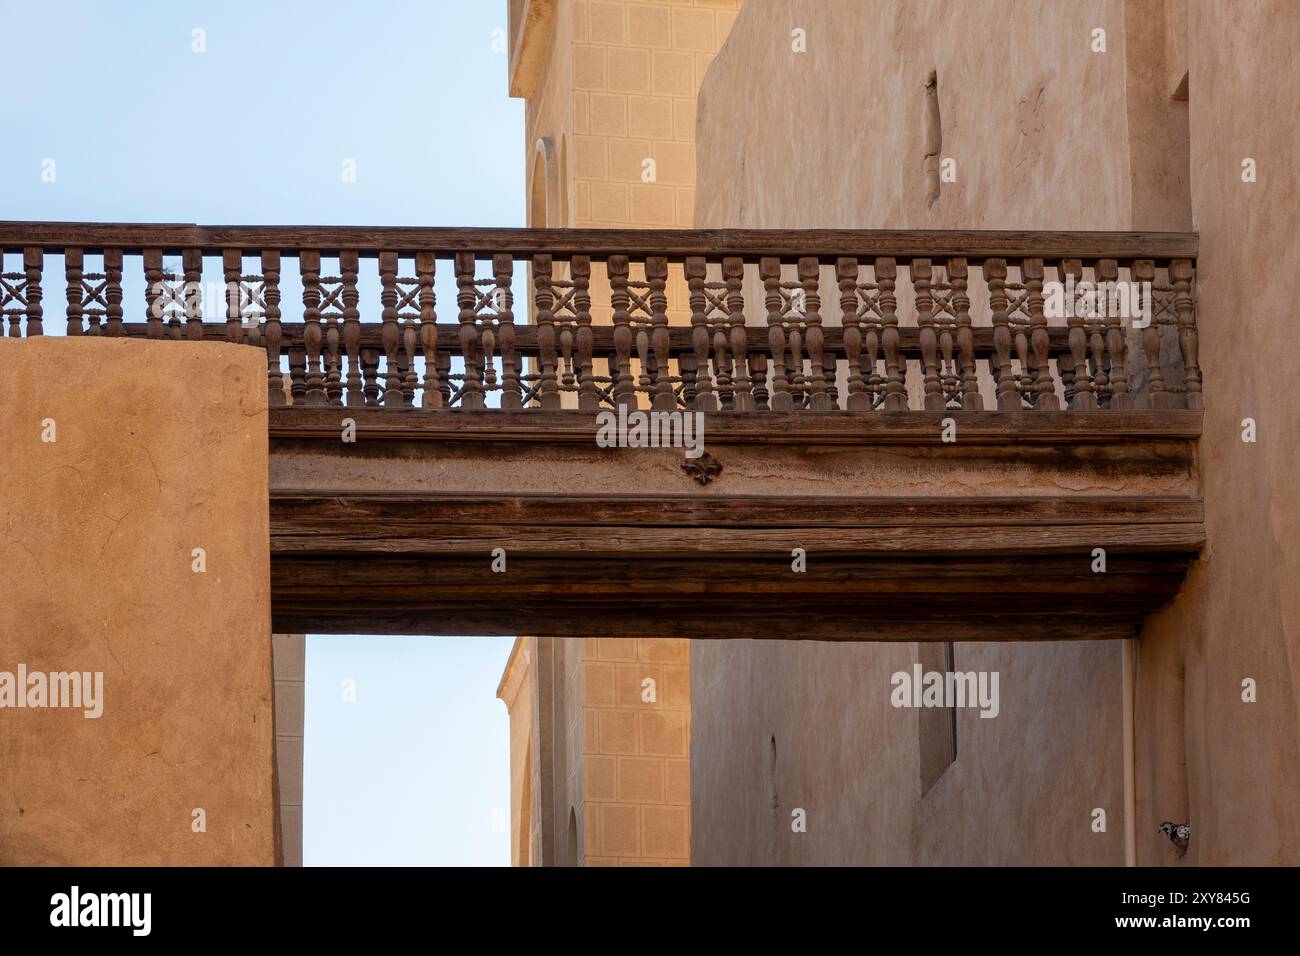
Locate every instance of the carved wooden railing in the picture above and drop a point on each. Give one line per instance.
(817, 320)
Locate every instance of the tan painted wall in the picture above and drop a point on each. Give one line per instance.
(99, 528)
(1233, 768)
(1047, 135)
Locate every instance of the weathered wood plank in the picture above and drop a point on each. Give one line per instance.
(453, 538)
(905, 427)
(391, 513)
(898, 597)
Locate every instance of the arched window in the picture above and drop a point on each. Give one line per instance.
(537, 192)
(572, 857)
(544, 204)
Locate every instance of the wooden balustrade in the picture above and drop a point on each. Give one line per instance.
(740, 321)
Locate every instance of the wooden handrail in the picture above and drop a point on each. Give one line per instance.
(749, 244)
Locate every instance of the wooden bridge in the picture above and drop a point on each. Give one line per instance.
(903, 439)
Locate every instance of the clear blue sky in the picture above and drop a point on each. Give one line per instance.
(255, 131)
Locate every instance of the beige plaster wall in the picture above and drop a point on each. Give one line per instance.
(1046, 134)
(780, 727)
(1233, 768)
(98, 532)
(834, 136)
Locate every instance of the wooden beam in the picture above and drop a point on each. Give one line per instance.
(898, 597)
(836, 427)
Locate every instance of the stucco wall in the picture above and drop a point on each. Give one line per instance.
(835, 136)
(1233, 768)
(99, 531)
(780, 726)
(1045, 134)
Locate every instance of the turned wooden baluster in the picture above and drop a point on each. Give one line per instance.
(895, 384)
(33, 263)
(309, 264)
(406, 364)
(1039, 339)
(958, 278)
(769, 270)
(348, 268)
(370, 376)
(733, 273)
(503, 268)
(818, 399)
(1082, 394)
(1065, 369)
(758, 375)
(1064, 360)
(995, 276)
(568, 370)
(656, 274)
(405, 361)
(645, 380)
(192, 293)
(870, 355)
(333, 362)
(297, 374)
(73, 262)
(471, 393)
(686, 366)
(271, 297)
(949, 374)
(696, 269)
(444, 377)
(722, 362)
(390, 334)
(830, 364)
(1180, 277)
(1116, 343)
(425, 266)
(233, 262)
(1144, 270)
(921, 272)
(1028, 374)
(580, 273)
(1097, 351)
(548, 389)
(846, 269)
(624, 387)
(487, 356)
(794, 362)
(153, 277)
(113, 293)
